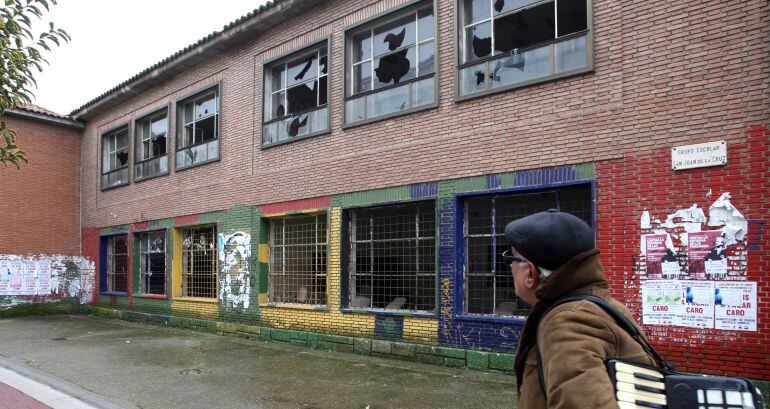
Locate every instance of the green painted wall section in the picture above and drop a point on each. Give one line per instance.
(369, 197)
(119, 229)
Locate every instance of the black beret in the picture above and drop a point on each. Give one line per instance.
(550, 239)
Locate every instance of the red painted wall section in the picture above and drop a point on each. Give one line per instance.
(296, 206)
(627, 187)
(90, 250)
(189, 219)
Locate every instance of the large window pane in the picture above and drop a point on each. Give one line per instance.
(354, 109)
(362, 77)
(571, 54)
(302, 97)
(426, 24)
(423, 92)
(521, 67)
(524, 28)
(302, 70)
(362, 47)
(478, 41)
(394, 35)
(427, 58)
(388, 101)
(396, 67)
(572, 16)
(472, 79)
(476, 10)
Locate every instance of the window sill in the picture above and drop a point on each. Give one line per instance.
(346, 126)
(306, 307)
(492, 318)
(195, 165)
(114, 293)
(580, 71)
(197, 299)
(151, 177)
(398, 313)
(104, 189)
(295, 139)
(151, 296)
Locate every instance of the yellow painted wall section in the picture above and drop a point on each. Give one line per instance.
(191, 307)
(176, 264)
(421, 330)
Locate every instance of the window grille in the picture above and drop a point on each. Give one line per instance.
(115, 158)
(117, 264)
(392, 260)
(488, 281)
(151, 144)
(298, 260)
(199, 262)
(152, 262)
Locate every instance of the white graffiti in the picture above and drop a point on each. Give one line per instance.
(235, 256)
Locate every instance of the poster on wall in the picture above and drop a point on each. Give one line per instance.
(662, 302)
(707, 254)
(735, 305)
(698, 299)
(20, 276)
(660, 259)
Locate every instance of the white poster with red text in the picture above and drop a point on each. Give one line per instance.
(735, 305)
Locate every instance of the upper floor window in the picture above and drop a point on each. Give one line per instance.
(298, 260)
(509, 43)
(198, 129)
(115, 158)
(151, 144)
(390, 65)
(296, 95)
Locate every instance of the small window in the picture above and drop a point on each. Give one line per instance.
(199, 262)
(488, 282)
(151, 144)
(391, 65)
(198, 130)
(115, 158)
(505, 43)
(152, 262)
(298, 260)
(117, 264)
(296, 96)
(392, 259)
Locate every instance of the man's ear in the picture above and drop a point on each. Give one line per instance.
(532, 278)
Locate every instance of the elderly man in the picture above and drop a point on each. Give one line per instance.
(552, 256)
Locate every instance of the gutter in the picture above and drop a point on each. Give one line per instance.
(45, 118)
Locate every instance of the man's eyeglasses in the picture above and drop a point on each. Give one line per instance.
(510, 259)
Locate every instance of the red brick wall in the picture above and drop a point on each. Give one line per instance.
(627, 187)
(40, 207)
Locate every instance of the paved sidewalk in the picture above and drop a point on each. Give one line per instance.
(18, 392)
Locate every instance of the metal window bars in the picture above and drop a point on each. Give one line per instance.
(298, 246)
(117, 264)
(392, 261)
(199, 262)
(152, 262)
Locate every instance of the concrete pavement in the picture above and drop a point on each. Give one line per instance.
(124, 364)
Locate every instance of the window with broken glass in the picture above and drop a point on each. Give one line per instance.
(115, 158)
(298, 260)
(296, 95)
(199, 262)
(117, 264)
(391, 65)
(488, 283)
(151, 144)
(198, 129)
(392, 259)
(152, 262)
(507, 43)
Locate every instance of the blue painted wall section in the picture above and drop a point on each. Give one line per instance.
(389, 327)
(423, 190)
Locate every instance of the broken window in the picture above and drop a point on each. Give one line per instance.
(298, 259)
(198, 129)
(199, 262)
(150, 145)
(392, 259)
(488, 283)
(152, 262)
(115, 158)
(510, 42)
(391, 65)
(117, 264)
(296, 94)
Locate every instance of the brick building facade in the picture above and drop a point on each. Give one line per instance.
(346, 168)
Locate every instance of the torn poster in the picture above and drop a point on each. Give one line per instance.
(723, 213)
(645, 222)
(662, 302)
(707, 254)
(691, 219)
(735, 305)
(698, 304)
(661, 259)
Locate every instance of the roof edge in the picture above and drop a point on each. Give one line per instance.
(45, 118)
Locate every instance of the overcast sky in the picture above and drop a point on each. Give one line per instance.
(114, 40)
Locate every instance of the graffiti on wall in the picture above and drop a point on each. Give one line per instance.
(46, 277)
(235, 281)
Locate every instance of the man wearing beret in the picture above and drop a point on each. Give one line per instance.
(552, 256)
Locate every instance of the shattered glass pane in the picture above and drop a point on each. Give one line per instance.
(427, 58)
(394, 35)
(388, 101)
(572, 16)
(121, 139)
(396, 67)
(279, 79)
(362, 47)
(354, 110)
(571, 54)
(302, 97)
(279, 109)
(188, 112)
(298, 126)
(205, 130)
(478, 41)
(158, 147)
(302, 70)
(524, 28)
(476, 10)
(472, 79)
(205, 106)
(323, 61)
(504, 6)
(188, 135)
(323, 91)
(425, 24)
(521, 67)
(362, 77)
(422, 92)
